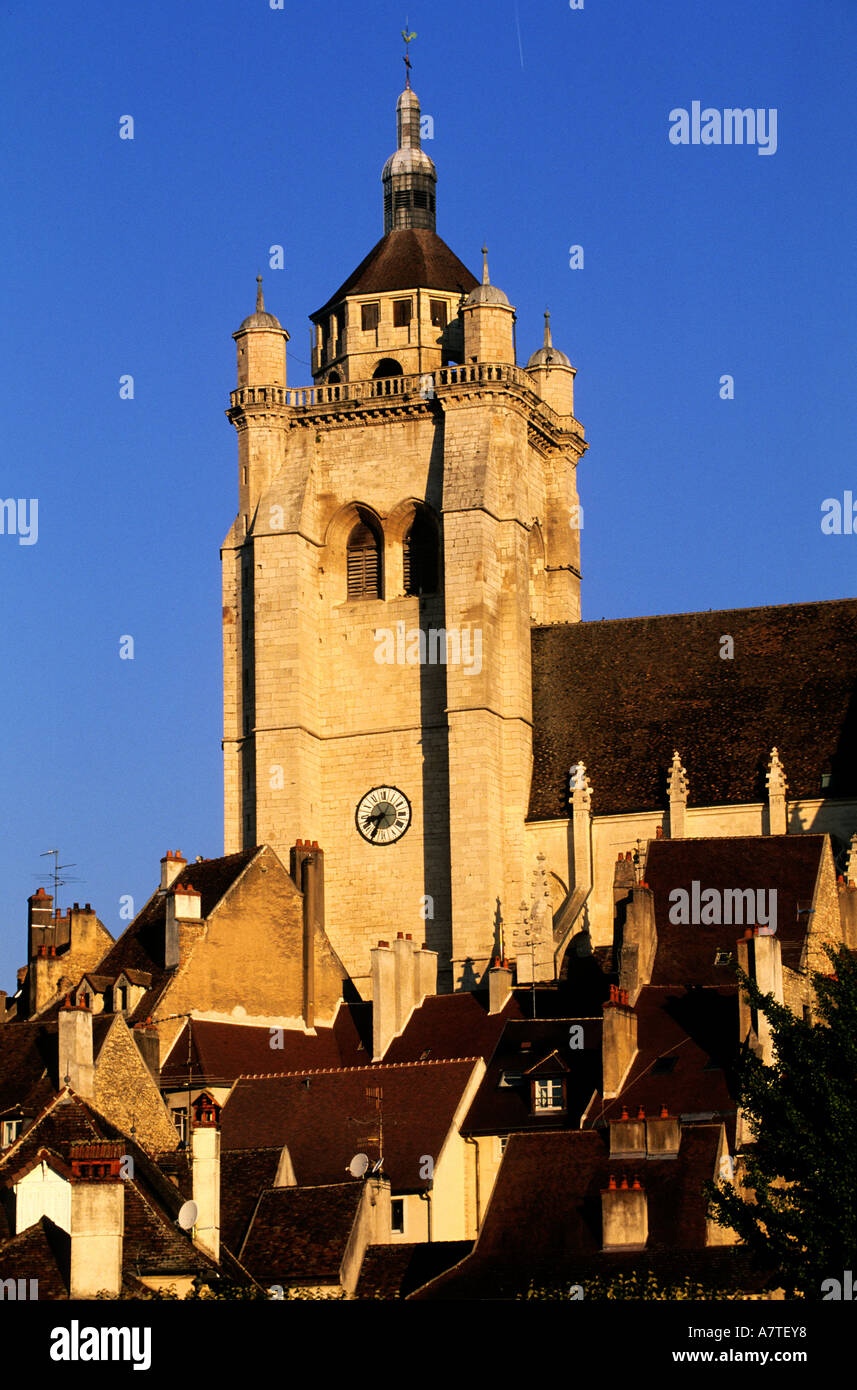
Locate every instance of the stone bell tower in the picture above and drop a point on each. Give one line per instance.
(402, 524)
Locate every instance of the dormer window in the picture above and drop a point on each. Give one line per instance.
(549, 1094)
(11, 1130)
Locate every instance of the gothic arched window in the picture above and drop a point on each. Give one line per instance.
(419, 557)
(364, 562)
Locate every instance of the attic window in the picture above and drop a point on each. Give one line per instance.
(722, 957)
(663, 1066)
(826, 779)
(397, 1216)
(11, 1131)
(439, 312)
(548, 1094)
(370, 316)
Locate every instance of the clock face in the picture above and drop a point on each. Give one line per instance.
(383, 815)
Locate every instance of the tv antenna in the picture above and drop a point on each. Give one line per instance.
(54, 876)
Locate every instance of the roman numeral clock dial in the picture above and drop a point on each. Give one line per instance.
(383, 815)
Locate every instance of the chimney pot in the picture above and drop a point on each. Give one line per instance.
(623, 1186)
(624, 1114)
(641, 1112)
(664, 1113)
(636, 1185)
(612, 1184)
(400, 936)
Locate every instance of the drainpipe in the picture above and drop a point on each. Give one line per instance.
(468, 1139)
(426, 1197)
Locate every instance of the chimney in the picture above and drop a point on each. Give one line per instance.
(403, 955)
(663, 1135)
(172, 864)
(308, 860)
(760, 957)
(205, 1173)
(627, 1136)
(425, 974)
(618, 1041)
(580, 795)
(499, 986)
(184, 904)
(74, 1044)
(624, 1215)
(148, 1043)
(39, 921)
(97, 1219)
(383, 973)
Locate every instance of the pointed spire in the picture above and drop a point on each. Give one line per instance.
(486, 280)
(548, 342)
(260, 301)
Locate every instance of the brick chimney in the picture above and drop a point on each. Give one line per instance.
(205, 1173)
(97, 1226)
(40, 917)
(760, 957)
(663, 1135)
(627, 1136)
(624, 1215)
(74, 1046)
(618, 1041)
(172, 864)
(184, 904)
(499, 985)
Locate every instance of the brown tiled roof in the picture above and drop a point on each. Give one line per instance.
(499, 1109)
(244, 1174)
(452, 1026)
(325, 1118)
(28, 1055)
(405, 259)
(36, 1254)
(788, 864)
(545, 1210)
(621, 695)
(698, 1030)
(394, 1271)
(298, 1235)
(221, 1052)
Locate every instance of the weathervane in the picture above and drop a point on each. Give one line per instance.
(407, 37)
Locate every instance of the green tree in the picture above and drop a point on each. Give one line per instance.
(801, 1167)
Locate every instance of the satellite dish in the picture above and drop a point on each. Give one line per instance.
(187, 1216)
(358, 1165)
(376, 1166)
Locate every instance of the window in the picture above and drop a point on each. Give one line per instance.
(397, 1216)
(420, 198)
(502, 1141)
(180, 1122)
(509, 1078)
(11, 1131)
(402, 198)
(438, 309)
(722, 957)
(401, 313)
(548, 1094)
(363, 563)
(419, 557)
(370, 316)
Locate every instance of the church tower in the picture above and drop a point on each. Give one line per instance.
(402, 524)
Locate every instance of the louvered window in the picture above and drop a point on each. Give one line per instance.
(364, 563)
(419, 558)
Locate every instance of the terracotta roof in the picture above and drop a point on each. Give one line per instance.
(326, 1117)
(788, 864)
(697, 1030)
(221, 1052)
(452, 1026)
(545, 1210)
(37, 1253)
(622, 695)
(299, 1235)
(406, 258)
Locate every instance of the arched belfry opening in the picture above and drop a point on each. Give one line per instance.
(388, 366)
(363, 560)
(420, 554)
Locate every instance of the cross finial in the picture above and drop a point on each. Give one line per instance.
(485, 279)
(260, 302)
(407, 36)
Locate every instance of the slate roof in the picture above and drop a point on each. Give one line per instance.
(545, 1211)
(221, 1052)
(36, 1254)
(698, 1030)
(244, 1173)
(394, 1271)
(621, 695)
(326, 1117)
(788, 864)
(299, 1235)
(404, 259)
(29, 1060)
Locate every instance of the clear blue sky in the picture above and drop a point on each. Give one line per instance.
(256, 126)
